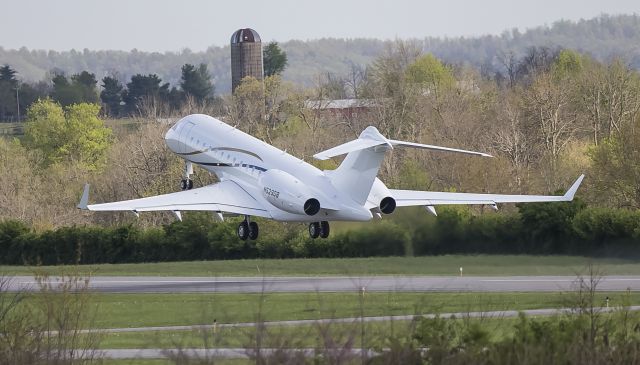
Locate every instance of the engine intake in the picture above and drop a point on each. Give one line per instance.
(387, 205)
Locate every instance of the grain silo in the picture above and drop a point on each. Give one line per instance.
(246, 56)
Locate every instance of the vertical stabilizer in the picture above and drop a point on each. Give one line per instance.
(356, 174)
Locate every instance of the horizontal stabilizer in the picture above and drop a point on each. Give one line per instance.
(355, 145)
(436, 148)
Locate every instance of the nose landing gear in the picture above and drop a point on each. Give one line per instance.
(186, 183)
(319, 229)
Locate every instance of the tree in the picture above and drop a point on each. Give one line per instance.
(8, 86)
(74, 134)
(247, 105)
(431, 74)
(538, 60)
(86, 83)
(274, 59)
(389, 87)
(64, 92)
(111, 95)
(144, 88)
(197, 82)
(616, 166)
(550, 107)
(7, 74)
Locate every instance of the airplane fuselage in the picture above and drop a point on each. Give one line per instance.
(259, 168)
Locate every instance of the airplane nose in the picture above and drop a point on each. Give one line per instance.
(169, 134)
(171, 137)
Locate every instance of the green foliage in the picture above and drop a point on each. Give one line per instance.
(75, 134)
(413, 176)
(572, 229)
(431, 74)
(7, 74)
(141, 87)
(578, 337)
(197, 82)
(81, 89)
(8, 85)
(568, 63)
(549, 225)
(616, 166)
(111, 95)
(608, 231)
(86, 82)
(274, 59)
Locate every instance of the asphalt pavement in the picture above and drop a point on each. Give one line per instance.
(145, 284)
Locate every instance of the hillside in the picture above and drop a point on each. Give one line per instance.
(603, 37)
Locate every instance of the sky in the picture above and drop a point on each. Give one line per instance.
(173, 25)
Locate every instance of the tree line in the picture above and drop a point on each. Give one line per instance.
(601, 37)
(540, 229)
(118, 100)
(142, 95)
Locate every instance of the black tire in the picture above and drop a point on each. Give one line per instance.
(324, 229)
(189, 184)
(314, 230)
(253, 231)
(243, 230)
(183, 184)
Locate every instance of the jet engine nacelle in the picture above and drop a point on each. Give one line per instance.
(381, 196)
(286, 192)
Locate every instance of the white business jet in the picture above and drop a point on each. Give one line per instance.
(259, 180)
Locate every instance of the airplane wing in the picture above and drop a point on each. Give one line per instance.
(405, 198)
(226, 196)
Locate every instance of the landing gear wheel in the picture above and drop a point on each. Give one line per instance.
(314, 230)
(243, 230)
(324, 229)
(183, 184)
(189, 184)
(253, 230)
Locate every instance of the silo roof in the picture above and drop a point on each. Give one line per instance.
(245, 35)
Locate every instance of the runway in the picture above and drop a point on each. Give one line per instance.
(142, 284)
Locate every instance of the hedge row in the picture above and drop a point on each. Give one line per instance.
(537, 229)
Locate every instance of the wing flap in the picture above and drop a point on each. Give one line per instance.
(226, 196)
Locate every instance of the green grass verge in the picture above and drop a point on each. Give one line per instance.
(428, 265)
(144, 310)
(276, 337)
(168, 362)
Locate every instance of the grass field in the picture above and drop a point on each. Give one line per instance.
(295, 336)
(168, 362)
(142, 310)
(427, 265)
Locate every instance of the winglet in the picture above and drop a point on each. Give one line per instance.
(572, 190)
(84, 201)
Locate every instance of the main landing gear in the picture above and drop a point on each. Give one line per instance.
(247, 230)
(319, 229)
(186, 183)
